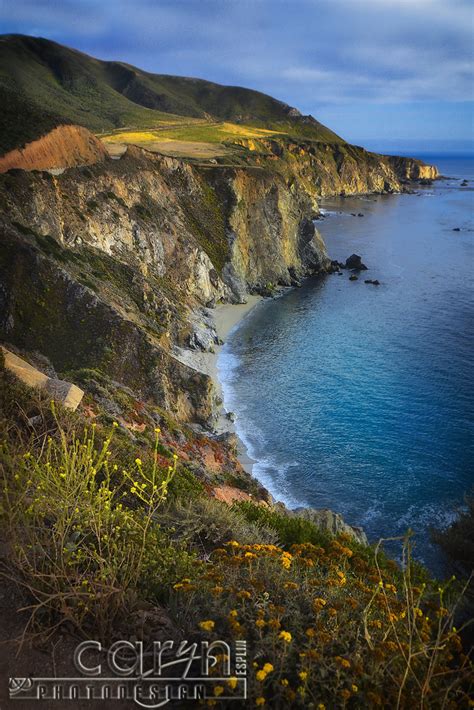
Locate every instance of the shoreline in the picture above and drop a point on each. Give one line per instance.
(225, 317)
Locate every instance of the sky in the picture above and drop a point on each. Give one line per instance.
(387, 74)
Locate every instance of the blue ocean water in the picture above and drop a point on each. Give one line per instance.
(360, 398)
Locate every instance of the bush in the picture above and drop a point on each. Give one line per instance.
(207, 523)
(84, 535)
(325, 629)
(291, 530)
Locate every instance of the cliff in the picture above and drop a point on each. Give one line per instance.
(63, 147)
(324, 169)
(105, 266)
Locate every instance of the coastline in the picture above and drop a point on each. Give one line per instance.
(225, 317)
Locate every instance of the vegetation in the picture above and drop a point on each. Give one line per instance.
(104, 96)
(95, 530)
(457, 541)
(206, 132)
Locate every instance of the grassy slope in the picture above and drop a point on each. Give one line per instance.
(107, 95)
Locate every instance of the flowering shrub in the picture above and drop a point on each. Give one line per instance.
(327, 629)
(83, 533)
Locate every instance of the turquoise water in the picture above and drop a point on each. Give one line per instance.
(360, 398)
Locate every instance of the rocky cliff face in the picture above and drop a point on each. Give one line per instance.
(271, 237)
(63, 147)
(103, 266)
(323, 169)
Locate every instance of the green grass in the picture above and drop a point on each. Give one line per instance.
(104, 96)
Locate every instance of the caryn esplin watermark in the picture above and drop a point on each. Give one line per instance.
(166, 672)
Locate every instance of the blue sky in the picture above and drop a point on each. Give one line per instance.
(382, 73)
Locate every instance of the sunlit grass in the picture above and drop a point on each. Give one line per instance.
(195, 132)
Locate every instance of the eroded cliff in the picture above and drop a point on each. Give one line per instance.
(64, 147)
(323, 169)
(106, 266)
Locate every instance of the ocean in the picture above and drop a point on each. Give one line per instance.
(360, 398)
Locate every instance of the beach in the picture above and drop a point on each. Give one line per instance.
(226, 317)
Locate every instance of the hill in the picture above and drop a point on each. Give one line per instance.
(36, 73)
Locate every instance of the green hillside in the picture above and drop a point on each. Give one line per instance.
(69, 86)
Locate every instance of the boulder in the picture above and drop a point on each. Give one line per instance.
(354, 261)
(68, 394)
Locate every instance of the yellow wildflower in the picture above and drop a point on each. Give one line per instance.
(218, 690)
(232, 683)
(268, 668)
(260, 701)
(260, 675)
(285, 636)
(260, 623)
(284, 682)
(303, 675)
(207, 625)
(244, 594)
(138, 462)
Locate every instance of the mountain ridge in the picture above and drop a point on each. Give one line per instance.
(103, 95)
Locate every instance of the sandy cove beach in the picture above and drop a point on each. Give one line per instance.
(226, 317)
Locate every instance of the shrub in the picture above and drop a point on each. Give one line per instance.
(84, 534)
(207, 523)
(325, 629)
(291, 530)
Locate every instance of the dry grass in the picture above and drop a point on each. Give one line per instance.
(195, 140)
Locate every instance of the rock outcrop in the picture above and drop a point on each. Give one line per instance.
(64, 147)
(68, 394)
(331, 522)
(108, 266)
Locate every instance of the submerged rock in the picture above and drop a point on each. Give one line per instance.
(353, 277)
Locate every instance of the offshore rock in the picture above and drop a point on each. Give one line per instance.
(355, 262)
